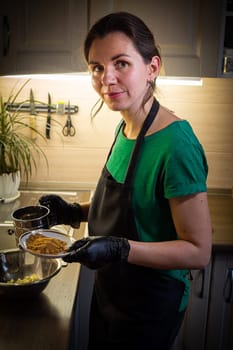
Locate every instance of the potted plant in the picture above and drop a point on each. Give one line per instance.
(18, 151)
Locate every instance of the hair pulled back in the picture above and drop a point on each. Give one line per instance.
(132, 26)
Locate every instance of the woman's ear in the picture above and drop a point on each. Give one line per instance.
(154, 67)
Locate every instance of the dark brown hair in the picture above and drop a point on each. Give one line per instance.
(129, 24)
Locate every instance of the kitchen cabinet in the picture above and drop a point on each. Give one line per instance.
(225, 66)
(220, 319)
(7, 40)
(42, 36)
(208, 323)
(188, 31)
(47, 36)
(80, 326)
(192, 334)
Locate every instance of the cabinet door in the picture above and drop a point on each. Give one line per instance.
(46, 36)
(186, 30)
(80, 326)
(193, 331)
(220, 318)
(8, 22)
(225, 65)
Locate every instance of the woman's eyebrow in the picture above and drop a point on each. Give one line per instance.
(115, 57)
(119, 56)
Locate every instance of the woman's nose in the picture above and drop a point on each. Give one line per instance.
(109, 76)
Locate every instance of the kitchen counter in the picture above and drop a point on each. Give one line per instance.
(44, 322)
(221, 211)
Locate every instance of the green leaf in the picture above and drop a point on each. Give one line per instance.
(17, 150)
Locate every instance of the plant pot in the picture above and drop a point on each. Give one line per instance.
(9, 185)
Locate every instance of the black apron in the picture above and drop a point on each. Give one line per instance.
(129, 301)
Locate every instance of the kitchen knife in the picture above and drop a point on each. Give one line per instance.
(48, 122)
(32, 116)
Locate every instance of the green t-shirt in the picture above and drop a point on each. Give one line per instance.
(171, 163)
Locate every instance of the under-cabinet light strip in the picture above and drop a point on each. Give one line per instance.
(169, 81)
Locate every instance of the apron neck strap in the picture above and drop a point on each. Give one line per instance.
(145, 126)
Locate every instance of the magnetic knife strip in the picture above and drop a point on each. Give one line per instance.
(25, 107)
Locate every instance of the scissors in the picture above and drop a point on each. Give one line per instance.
(68, 129)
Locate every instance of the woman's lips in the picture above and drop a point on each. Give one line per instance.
(113, 95)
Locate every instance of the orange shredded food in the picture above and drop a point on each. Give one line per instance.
(45, 245)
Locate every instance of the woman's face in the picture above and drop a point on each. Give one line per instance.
(119, 74)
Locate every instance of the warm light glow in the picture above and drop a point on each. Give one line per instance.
(62, 77)
(182, 81)
(169, 81)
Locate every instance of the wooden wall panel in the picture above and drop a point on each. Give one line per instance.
(77, 161)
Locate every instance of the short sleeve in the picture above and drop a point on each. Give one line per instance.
(186, 170)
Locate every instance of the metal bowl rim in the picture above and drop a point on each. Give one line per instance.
(30, 206)
(43, 280)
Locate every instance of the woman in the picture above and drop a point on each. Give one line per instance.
(149, 221)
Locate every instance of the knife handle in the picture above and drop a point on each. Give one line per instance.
(48, 126)
(33, 125)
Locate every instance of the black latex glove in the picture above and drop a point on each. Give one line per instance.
(97, 251)
(62, 212)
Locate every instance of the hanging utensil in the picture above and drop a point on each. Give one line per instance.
(32, 116)
(68, 129)
(48, 122)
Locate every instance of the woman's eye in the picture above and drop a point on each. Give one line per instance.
(96, 69)
(121, 64)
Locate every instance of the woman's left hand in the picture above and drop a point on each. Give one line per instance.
(97, 251)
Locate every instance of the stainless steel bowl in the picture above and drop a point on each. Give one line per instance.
(17, 264)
